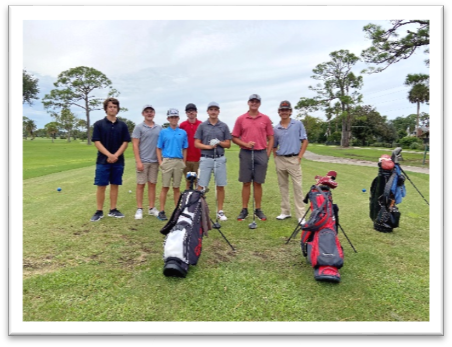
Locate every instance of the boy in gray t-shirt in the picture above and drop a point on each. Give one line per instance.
(144, 140)
(212, 137)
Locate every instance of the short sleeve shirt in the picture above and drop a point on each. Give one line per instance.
(148, 137)
(255, 129)
(193, 153)
(111, 136)
(208, 131)
(172, 142)
(289, 139)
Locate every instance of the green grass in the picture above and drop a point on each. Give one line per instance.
(75, 270)
(370, 154)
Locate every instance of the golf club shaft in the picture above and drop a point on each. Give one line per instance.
(295, 232)
(224, 237)
(347, 238)
(215, 179)
(413, 185)
(252, 181)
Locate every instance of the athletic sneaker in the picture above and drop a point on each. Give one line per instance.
(115, 213)
(97, 216)
(243, 214)
(162, 215)
(153, 212)
(259, 214)
(301, 221)
(221, 215)
(283, 216)
(139, 213)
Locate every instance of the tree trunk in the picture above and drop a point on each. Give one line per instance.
(68, 136)
(417, 119)
(346, 132)
(88, 140)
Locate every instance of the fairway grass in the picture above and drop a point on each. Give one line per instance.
(76, 270)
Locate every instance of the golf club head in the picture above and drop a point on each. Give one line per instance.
(252, 225)
(216, 225)
(396, 154)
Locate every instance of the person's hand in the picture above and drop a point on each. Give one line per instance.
(140, 167)
(250, 144)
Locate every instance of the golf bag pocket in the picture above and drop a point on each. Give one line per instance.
(325, 249)
(175, 244)
(327, 273)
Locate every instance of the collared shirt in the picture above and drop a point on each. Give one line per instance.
(193, 153)
(208, 131)
(148, 137)
(255, 129)
(289, 139)
(112, 136)
(172, 142)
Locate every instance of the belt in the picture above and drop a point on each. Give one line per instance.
(211, 156)
(289, 155)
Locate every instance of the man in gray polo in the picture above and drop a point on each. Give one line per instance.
(290, 144)
(212, 137)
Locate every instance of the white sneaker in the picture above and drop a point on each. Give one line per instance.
(300, 221)
(153, 212)
(221, 215)
(283, 216)
(139, 213)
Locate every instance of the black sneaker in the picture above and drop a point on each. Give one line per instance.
(115, 213)
(97, 216)
(259, 214)
(243, 214)
(162, 215)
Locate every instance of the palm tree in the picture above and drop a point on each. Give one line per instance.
(419, 93)
(52, 129)
(30, 127)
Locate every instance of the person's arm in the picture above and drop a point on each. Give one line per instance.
(158, 151)
(225, 143)
(184, 153)
(136, 152)
(241, 143)
(270, 142)
(121, 149)
(100, 147)
(304, 145)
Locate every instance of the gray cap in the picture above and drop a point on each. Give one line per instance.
(147, 106)
(173, 112)
(213, 104)
(254, 96)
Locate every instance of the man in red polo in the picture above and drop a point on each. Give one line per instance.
(253, 131)
(193, 153)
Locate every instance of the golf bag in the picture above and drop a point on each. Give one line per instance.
(386, 191)
(319, 241)
(184, 233)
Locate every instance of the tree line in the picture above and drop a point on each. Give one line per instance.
(337, 92)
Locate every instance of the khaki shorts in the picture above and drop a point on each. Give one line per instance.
(149, 174)
(172, 169)
(191, 166)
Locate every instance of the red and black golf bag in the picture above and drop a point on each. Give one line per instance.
(184, 233)
(386, 191)
(319, 242)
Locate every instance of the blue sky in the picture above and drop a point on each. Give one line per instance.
(171, 55)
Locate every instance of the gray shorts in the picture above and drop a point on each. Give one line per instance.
(206, 168)
(149, 174)
(260, 166)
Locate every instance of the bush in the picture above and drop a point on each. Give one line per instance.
(62, 137)
(406, 142)
(416, 145)
(376, 144)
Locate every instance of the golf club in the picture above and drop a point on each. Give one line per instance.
(215, 225)
(396, 155)
(297, 228)
(253, 224)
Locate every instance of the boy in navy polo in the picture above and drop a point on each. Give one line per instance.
(111, 137)
(172, 154)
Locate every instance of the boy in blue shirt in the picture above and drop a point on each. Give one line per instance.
(171, 154)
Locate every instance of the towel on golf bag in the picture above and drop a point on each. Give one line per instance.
(387, 190)
(184, 232)
(319, 242)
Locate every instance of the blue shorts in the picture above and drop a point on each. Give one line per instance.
(108, 173)
(206, 169)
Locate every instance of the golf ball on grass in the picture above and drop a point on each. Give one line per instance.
(59, 189)
(130, 191)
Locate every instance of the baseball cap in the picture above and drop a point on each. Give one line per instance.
(213, 104)
(191, 107)
(147, 106)
(173, 112)
(285, 105)
(254, 96)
